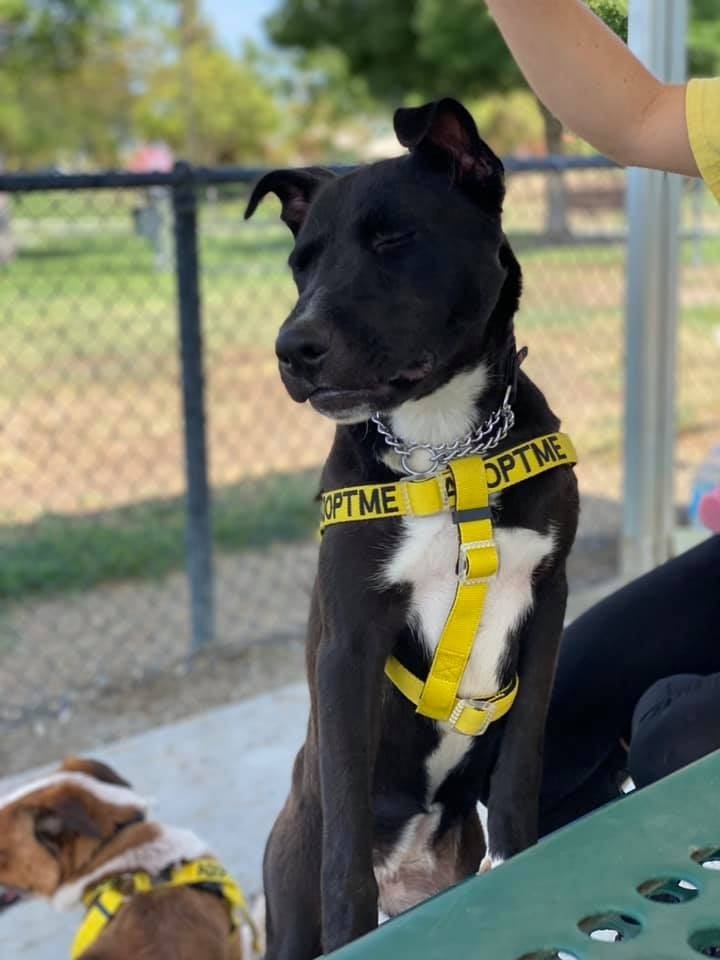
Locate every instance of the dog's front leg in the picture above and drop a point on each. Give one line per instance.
(349, 676)
(515, 783)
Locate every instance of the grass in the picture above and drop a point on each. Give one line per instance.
(88, 380)
(147, 540)
(103, 279)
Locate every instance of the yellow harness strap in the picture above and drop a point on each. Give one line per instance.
(422, 498)
(106, 900)
(464, 489)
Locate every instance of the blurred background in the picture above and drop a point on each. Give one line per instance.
(111, 618)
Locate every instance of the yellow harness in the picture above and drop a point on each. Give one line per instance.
(464, 490)
(107, 899)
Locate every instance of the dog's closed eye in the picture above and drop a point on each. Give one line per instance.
(383, 242)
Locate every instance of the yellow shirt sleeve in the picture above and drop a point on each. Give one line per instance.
(703, 119)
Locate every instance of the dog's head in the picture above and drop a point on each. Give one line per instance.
(403, 272)
(52, 829)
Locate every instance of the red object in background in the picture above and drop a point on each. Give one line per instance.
(710, 510)
(151, 158)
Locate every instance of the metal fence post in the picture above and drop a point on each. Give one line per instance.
(199, 535)
(658, 30)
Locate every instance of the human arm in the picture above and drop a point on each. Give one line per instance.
(595, 85)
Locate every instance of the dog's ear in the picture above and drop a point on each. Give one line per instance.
(294, 188)
(445, 135)
(509, 299)
(93, 768)
(65, 817)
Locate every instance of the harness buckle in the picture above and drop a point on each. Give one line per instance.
(487, 708)
(477, 562)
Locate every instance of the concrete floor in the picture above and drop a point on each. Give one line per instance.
(240, 752)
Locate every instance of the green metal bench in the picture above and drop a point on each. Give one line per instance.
(647, 867)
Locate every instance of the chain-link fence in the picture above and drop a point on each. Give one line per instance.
(104, 429)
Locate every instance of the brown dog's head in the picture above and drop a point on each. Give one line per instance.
(52, 829)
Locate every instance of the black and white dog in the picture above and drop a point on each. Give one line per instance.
(407, 289)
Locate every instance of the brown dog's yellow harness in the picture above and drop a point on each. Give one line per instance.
(463, 490)
(107, 899)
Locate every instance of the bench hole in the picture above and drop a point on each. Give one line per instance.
(708, 858)
(549, 955)
(706, 942)
(668, 890)
(611, 927)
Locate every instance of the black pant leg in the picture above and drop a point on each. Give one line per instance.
(676, 722)
(664, 623)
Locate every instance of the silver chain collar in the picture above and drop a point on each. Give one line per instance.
(437, 456)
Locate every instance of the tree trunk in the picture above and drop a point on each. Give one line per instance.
(556, 225)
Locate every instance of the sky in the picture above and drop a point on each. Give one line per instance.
(238, 19)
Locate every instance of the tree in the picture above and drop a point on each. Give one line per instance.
(80, 80)
(413, 48)
(208, 105)
(39, 39)
(704, 39)
(234, 117)
(425, 48)
(377, 38)
(54, 33)
(703, 32)
(325, 110)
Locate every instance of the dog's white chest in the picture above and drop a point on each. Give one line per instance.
(426, 559)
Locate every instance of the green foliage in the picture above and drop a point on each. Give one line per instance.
(509, 121)
(462, 49)
(414, 49)
(58, 553)
(80, 80)
(42, 45)
(57, 33)
(91, 126)
(614, 13)
(55, 55)
(377, 38)
(704, 39)
(327, 112)
(232, 114)
(417, 49)
(703, 31)
(421, 47)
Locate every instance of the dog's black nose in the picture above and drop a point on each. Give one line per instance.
(302, 350)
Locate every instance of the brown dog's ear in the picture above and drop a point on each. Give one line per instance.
(66, 816)
(294, 188)
(445, 134)
(93, 768)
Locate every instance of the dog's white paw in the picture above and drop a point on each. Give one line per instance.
(489, 863)
(253, 941)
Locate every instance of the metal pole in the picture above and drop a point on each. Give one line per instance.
(199, 538)
(658, 30)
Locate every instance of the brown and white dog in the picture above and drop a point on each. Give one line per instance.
(64, 835)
